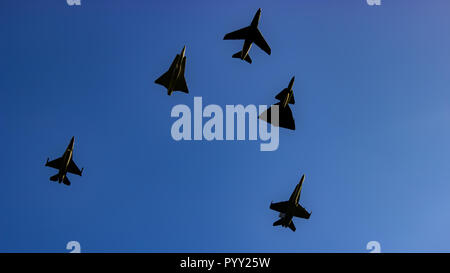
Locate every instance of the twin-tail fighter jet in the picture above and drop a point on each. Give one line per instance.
(65, 165)
(291, 208)
(285, 118)
(250, 35)
(174, 79)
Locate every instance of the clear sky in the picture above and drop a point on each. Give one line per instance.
(372, 126)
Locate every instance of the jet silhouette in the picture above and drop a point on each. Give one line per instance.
(285, 118)
(250, 35)
(65, 165)
(174, 79)
(291, 208)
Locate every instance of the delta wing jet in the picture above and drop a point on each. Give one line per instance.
(285, 117)
(174, 79)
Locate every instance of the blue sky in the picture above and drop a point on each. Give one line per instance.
(372, 116)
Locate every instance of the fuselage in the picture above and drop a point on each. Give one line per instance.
(287, 219)
(248, 43)
(67, 157)
(176, 73)
(286, 99)
(293, 201)
(289, 94)
(246, 48)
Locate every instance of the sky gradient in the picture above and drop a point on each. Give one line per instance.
(372, 131)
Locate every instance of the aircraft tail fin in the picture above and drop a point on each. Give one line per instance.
(66, 181)
(278, 222)
(54, 178)
(238, 55)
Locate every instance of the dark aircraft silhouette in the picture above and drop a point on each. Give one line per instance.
(250, 34)
(285, 118)
(174, 79)
(65, 165)
(291, 208)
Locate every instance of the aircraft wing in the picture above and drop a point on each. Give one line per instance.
(301, 212)
(280, 206)
(57, 163)
(240, 34)
(165, 78)
(258, 39)
(280, 95)
(175, 60)
(72, 168)
(285, 117)
(283, 93)
(181, 85)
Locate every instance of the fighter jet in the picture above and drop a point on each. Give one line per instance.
(250, 34)
(291, 208)
(65, 165)
(285, 118)
(174, 79)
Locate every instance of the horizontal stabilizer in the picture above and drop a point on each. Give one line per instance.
(279, 222)
(66, 181)
(239, 56)
(54, 178)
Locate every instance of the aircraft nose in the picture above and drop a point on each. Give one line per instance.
(303, 178)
